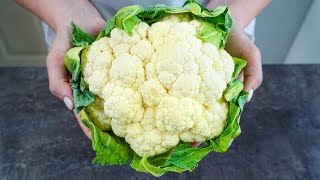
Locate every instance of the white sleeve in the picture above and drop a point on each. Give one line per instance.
(49, 34)
(249, 30)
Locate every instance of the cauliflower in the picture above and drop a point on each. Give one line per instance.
(158, 84)
(187, 73)
(96, 112)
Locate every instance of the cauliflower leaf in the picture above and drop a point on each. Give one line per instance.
(110, 149)
(81, 96)
(79, 37)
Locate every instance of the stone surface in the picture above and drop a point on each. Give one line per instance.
(40, 138)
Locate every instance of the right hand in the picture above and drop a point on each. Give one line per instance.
(87, 18)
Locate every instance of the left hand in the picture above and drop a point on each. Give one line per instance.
(239, 45)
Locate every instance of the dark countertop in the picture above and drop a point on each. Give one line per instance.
(40, 138)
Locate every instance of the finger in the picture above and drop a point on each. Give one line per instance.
(196, 144)
(57, 73)
(253, 70)
(240, 77)
(84, 128)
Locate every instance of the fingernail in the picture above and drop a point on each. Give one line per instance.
(68, 102)
(250, 95)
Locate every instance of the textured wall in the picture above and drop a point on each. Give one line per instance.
(21, 37)
(305, 48)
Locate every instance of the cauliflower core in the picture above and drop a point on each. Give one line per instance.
(158, 86)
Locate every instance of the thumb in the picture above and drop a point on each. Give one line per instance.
(57, 73)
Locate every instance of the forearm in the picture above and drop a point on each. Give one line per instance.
(242, 11)
(56, 12)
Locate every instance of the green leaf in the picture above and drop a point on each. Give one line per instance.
(242, 99)
(181, 158)
(72, 61)
(82, 99)
(161, 159)
(210, 34)
(126, 18)
(143, 165)
(135, 163)
(107, 30)
(82, 84)
(221, 143)
(187, 157)
(233, 90)
(158, 12)
(79, 37)
(199, 10)
(239, 64)
(110, 149)
(219, 19)
(81, 96)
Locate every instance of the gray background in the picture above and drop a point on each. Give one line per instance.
(277, 27)
(286, 32)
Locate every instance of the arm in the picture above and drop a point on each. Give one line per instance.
(58, 14)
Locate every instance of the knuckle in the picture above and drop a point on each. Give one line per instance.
(259, 80)
(253, 52)
(53, 89)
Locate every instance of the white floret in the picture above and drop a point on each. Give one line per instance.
(225, 63)
(124, 105)
(95, 65)
(174, 114)
(209, 125)
(146, 139)
(143, 49)
(211, 87)
(186, 86)
(152, 92)
(127, 71)
(121, 42)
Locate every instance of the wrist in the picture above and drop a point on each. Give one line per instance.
(237, 29)
(81, 12)
(238, 19)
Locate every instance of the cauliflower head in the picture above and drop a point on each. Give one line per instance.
(159, 86)
(154, 81)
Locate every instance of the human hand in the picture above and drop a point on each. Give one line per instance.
(239, 45)
(86, 17)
